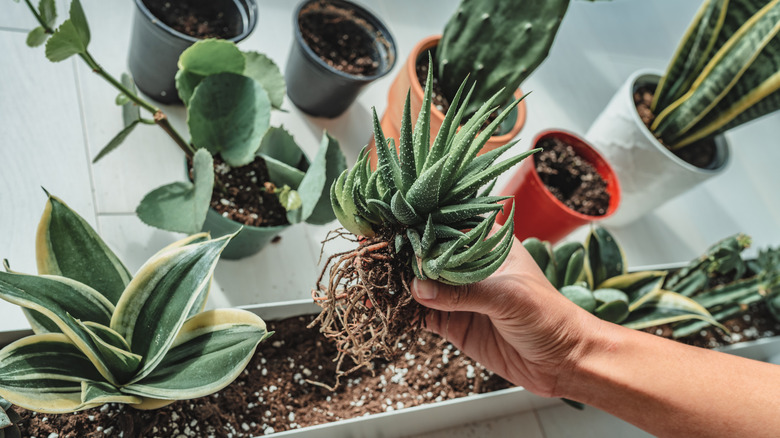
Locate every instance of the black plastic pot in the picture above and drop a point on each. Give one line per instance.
(320, 90)
(155, 47)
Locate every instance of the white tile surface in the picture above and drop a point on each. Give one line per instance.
(55, 117)
(567, 422)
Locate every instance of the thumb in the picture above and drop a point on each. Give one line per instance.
(465, 298)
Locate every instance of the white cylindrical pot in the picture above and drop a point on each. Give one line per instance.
(648, 172)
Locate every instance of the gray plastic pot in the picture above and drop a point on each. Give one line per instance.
(320, 90)
(248, 242)
(155, 47)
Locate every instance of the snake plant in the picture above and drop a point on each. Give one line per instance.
(725, 72)
(423, 198)
(595, 277)
(102, 335)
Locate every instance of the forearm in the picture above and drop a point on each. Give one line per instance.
(671, 389)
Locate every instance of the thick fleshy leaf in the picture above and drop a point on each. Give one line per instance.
(665, 308)
(439, 146)
(489, 266)
(212, 56)
(612, 311)
(406, 147)
(422, 130)
(181, 206)
(262, 69)
(66, 245)
(210, 351)
(160, 297)
(404, 212)
(282, 174)
(456, 213)
(279, 145)
(229, 115)
(472, 183)
(580, 296)
(605, 256)
(639, 286)
(104, 351)
(325, 168)
(570, 263)
(542, 254)
(387, 158)
(424, 193)
(44, 373)
(98, 393)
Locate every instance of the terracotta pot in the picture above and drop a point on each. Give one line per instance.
(320, 90)
(407, 79)
(155, 47)
(538, 212)
(649, 173)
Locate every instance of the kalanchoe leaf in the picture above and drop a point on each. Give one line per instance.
(325, 168)
(262, 69)
(181, 206)
(211, 56)
(36, 37)
(289, 198)
(278, 144)
(229, 114)
(71, 38)
(48, 11)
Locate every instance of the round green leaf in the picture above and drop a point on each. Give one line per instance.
(212, 56)
(607, 295)
(262, 69)
(580, 296)
(36, 37)
(228, 115)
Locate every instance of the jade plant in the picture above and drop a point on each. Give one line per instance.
(229, 95)
(105, 336)
(595, 277)
(9, 420)
(422, 213)
(498, 44)
(723, 74)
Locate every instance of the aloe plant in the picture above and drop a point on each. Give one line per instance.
(229, 95)
(423, 212)
(104, 336)
(723, 74)
(595, 277)
(9, 420)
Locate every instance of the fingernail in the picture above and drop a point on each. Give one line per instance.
(426, 290)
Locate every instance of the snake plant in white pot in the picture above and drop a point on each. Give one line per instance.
(105, 336)
(723, 74)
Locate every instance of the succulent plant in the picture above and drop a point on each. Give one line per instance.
(497, 43)
(9, 420)
(102, 335)
(595, 277)
(424, 198)
(723, 74)
(423, 212)
(229, 95)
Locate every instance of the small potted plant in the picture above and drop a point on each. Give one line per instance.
(663, 132)
(103, 335)
(567, 185)
(338, 48)
(229, 95)
(163, 29)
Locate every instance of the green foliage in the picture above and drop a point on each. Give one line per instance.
(594, 276)
(71, 38)
(423, 197)
(9, 420)
(148, 345)
(498, 44)
(723, 74)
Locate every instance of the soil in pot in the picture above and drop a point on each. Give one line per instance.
(571, 179)
(700, 154)
(194, 21)
(273, 393)
(340, 38)
(245, 195)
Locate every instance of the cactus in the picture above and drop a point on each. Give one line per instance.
(497, 44)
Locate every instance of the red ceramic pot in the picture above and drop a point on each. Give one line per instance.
(538, 212)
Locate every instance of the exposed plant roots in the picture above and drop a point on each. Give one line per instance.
(367, 304)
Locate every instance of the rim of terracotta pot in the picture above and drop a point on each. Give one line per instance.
(594, 158)
(247, 8)
(411, 70)
(652, 77)
(363, 13)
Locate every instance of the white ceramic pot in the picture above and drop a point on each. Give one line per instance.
(648, 172)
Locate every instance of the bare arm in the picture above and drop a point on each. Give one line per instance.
(516, 324)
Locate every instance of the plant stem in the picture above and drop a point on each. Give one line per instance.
(159, 117)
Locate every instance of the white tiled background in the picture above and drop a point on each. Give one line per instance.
(55, 117)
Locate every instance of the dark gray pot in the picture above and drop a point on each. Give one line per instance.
(155, 47)
(321, 90)
(246, 243)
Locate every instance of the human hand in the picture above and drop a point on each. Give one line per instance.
(515, 323)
